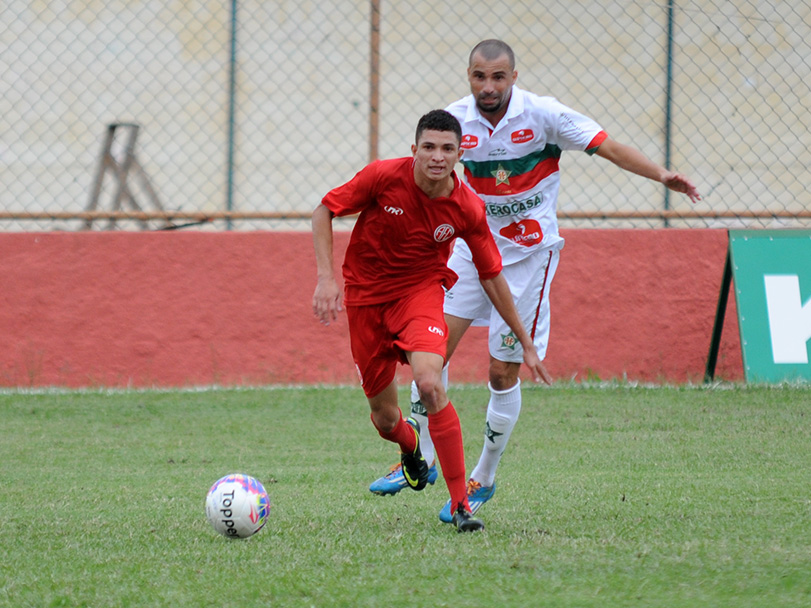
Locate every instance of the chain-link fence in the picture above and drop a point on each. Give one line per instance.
(245, 113)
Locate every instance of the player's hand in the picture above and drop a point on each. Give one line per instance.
(327, 301)
(535, 365)
(679, 182)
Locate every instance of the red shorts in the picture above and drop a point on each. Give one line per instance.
(381, 334)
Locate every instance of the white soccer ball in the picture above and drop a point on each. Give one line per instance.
(237, 506)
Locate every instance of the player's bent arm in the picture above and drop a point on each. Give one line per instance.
(631, 159)
(327, 296)
(499, 293)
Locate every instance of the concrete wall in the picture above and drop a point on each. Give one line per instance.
(182, 309)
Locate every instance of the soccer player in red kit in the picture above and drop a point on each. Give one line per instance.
(395, 276)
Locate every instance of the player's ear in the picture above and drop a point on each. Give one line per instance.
(459, 153)
(413, 149)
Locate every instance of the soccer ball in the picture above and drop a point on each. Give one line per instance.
(237, 506)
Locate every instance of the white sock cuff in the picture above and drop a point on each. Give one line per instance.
(505, 391)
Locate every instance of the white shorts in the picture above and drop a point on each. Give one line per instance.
(529, 282)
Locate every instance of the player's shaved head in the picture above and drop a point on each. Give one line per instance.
(492, 49)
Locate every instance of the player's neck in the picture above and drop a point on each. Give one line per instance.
(494, 117)
(432, 188)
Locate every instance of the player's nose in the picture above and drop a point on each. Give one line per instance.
(489, 86)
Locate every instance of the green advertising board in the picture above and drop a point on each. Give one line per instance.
(771, 272)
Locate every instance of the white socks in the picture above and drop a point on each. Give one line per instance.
(502, 414)
(419, 414)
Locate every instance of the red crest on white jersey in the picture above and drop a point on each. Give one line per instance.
(469, 142)
(524, 135)
(525, 233)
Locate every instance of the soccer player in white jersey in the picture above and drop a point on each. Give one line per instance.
(513, 141)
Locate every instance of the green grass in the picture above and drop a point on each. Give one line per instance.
(616, 496)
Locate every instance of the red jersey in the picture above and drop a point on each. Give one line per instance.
(402, 238)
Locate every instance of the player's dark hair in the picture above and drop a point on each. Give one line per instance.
(439, 120)
(493, 49)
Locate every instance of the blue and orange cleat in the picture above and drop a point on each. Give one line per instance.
(477, 495)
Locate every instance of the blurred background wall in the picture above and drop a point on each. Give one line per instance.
(250, 111)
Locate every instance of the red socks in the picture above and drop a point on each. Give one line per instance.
(402, 434)
(446, 433)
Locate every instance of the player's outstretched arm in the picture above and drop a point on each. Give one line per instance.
(679, 182)
(327, 296)
(499, 293)
(631, 159)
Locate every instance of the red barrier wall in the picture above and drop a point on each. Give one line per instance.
(181, 309)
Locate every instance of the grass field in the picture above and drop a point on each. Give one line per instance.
(608, 496)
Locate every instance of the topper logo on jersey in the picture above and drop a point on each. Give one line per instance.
(443, 233)
(436, 330)
(525, 233)
(522, 136)
(393, 210)
(469, 142)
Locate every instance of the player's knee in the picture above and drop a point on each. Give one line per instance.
(503, 375)
(431, 392)
(385, 421)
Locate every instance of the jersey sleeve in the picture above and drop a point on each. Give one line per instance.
(596, 142)
(576, 131)
(483, 248)
(355, 195)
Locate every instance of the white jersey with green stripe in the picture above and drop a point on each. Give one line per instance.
(514, 167)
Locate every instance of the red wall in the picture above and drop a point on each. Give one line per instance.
(180, 309)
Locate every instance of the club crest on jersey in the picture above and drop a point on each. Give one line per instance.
(443, 233)
(469, 142)
(502, 175)
(521, 136)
